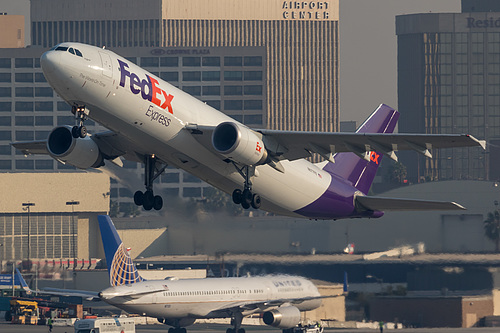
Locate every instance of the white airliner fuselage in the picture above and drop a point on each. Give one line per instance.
(113, 89)
(154, 123)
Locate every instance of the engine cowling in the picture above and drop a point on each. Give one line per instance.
(284, 317)
(81, 153)
(239, 144)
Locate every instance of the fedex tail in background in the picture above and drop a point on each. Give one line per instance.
(360, 169)
(121, 269)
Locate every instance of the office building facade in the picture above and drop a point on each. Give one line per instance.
(449, 82)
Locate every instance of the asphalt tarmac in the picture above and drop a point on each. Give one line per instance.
(213, 328)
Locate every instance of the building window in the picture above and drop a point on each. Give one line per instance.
(211, 90)
(169, 61)
(41, 135)
(24, 120)
(253, 104)
(24, 106)
(24, 92)
(233, 105)
(44, 164)
(4, 62)
(232, 61)
(233, 90)
(191, 76)
(210, 61)
(24, 135)
(43, 106)
(253, 90)
(150, 61)
(5, 150)
(44, 121)
(253, 75)
(43, 92)
(170, 178)
(5, 92)
(5, 106)
(233, 75)
(5, 165)
(24, 164)
(5, 135)
(169, 76)
(211, 76)
(39, 77)
(214, 104)
(5, 77)
(191, 192)
(253, 61)
(24, 77)
(63, 106)
(192, 90)
(191, 61)
(24, 62)
(253, 119)
(5, 121)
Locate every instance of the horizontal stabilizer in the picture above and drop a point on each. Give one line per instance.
(396, 204)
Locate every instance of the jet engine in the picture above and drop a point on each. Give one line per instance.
(239, 144)
(82, 153)
(284, 317)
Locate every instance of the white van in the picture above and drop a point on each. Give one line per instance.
(108, 325)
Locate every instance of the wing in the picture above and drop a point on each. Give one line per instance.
(111, 145)
(249, 307)
(88, 295)
(395, 204)
(293, 145)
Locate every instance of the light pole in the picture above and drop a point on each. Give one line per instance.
(28, 205)
(73, 203)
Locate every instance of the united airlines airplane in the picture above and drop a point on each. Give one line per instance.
(153, 122)
(178, 303)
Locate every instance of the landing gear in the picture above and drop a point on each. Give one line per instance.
(236, 322)
(246, 198)
(81, 113)
(147, 199)
(177, 330)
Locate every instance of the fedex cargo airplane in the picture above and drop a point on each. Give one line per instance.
(152, 122)
(178, 303)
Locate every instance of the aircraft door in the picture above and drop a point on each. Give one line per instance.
(107, 67)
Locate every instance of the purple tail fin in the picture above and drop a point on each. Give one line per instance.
(359, 171)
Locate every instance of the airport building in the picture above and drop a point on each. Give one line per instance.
(11, 30)
(449, 82)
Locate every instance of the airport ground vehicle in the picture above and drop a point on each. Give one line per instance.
(108, 325)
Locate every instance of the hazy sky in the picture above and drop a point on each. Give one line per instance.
(368, 48)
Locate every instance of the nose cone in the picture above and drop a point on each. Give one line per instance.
(50, 62)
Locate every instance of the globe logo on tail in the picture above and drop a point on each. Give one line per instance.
(122, 269)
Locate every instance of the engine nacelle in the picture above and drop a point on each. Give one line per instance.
(284, 317)
(81, 153)
(239, 144)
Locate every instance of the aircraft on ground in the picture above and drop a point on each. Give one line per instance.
(157, 124)
(178, 303)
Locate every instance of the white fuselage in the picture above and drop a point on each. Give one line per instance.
(118, 95)
(204, 298)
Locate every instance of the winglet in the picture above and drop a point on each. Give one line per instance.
(121, 269)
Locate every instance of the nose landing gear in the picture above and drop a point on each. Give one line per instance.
(147, 199)
(246, 198)
(81, 113)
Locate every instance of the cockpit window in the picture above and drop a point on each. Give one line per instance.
(69, 49)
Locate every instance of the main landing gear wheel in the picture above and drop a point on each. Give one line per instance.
(177, 330)
(246, 198)
(79, 131)
(147, 199)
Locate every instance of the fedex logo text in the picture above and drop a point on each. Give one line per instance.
(148, 88)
